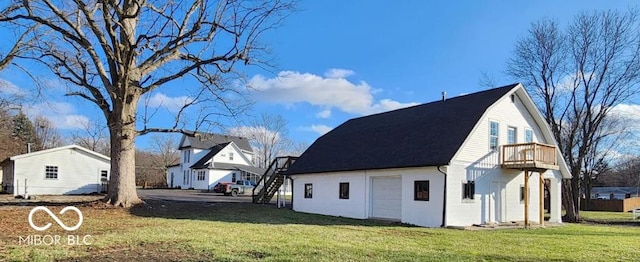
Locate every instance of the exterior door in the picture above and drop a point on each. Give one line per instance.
(386, 197)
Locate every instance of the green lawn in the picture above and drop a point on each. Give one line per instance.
(607, 216)
(169, 231)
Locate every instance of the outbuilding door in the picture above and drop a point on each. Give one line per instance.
(386, 197)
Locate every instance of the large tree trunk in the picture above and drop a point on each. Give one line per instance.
(122, 185)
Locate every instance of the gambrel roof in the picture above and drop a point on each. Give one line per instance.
(423, 135)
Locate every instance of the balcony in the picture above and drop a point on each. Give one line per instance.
(529, 156)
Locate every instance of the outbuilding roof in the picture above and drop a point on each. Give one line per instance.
(423, 135)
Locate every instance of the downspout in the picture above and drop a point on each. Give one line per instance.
(444, 197)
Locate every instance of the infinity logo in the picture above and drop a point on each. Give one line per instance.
(52, 215)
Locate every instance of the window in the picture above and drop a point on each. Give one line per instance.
(233, 177)
(528, 135)
(493, 135)
(522, 192)
(201, 175)
(51, 172)
(468, 190)
(344, 190)
(103, 175)
(231, 156)
(186, 156)
(308, 190)
(185, 177)
(421, 190)
(512, 135)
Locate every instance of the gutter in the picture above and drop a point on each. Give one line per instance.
(444, 198)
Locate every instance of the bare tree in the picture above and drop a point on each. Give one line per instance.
(92, 136)
(578, 75)
(10, 145)
(47, 135)
(165, 152)
(268, 137)
(116, 52)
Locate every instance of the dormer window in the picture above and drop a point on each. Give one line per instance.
(230, 155)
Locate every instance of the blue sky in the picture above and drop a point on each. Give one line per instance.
(336, 60)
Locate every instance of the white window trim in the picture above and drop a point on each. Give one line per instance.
(532, 135)
(497, 136)
(515, 134)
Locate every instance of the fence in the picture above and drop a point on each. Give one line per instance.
(614, 205)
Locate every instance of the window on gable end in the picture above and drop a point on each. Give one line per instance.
(493, 135)
(528, 135)
(51, 172)
(512, 135)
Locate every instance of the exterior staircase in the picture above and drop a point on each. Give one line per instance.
(272, 179)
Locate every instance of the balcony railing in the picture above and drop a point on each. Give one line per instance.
(529, 156)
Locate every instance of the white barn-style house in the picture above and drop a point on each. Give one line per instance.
(206, 159)
(455, 162)
(63, 170)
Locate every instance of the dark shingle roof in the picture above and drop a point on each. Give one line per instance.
(423, 135)
(214, 150)
(208, 140)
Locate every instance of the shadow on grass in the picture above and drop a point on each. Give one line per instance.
(242, 213)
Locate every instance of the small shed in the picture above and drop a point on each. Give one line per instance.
(58, 171)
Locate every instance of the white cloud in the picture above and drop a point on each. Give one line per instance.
(319, 129)
(293, 87)
(257, 133)
(338, 73)
(173, 104)
(8, 88)
(61, 114)
(324, 113)
(630, 113)
(627, 111)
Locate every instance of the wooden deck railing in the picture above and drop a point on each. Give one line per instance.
(529, 155)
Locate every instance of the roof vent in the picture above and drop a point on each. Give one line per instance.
(444, 96)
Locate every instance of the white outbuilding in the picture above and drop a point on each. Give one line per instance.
(481, 158)
(58, 171)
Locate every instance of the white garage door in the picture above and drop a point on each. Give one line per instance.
(386, 197)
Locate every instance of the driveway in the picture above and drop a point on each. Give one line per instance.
(189, 195)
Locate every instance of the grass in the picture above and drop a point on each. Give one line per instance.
(607, 216)
(171, 231)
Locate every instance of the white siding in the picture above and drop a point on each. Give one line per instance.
(78, 173)
(326, 199)
(497, 190)
(224, 156)
(174, 177)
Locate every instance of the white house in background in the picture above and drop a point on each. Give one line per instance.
(63, 170)
(206, 159)
(456, 162)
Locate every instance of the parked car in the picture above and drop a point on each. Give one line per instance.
(244, 187)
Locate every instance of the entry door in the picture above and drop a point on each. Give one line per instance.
(386, 197)
(497, 202)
